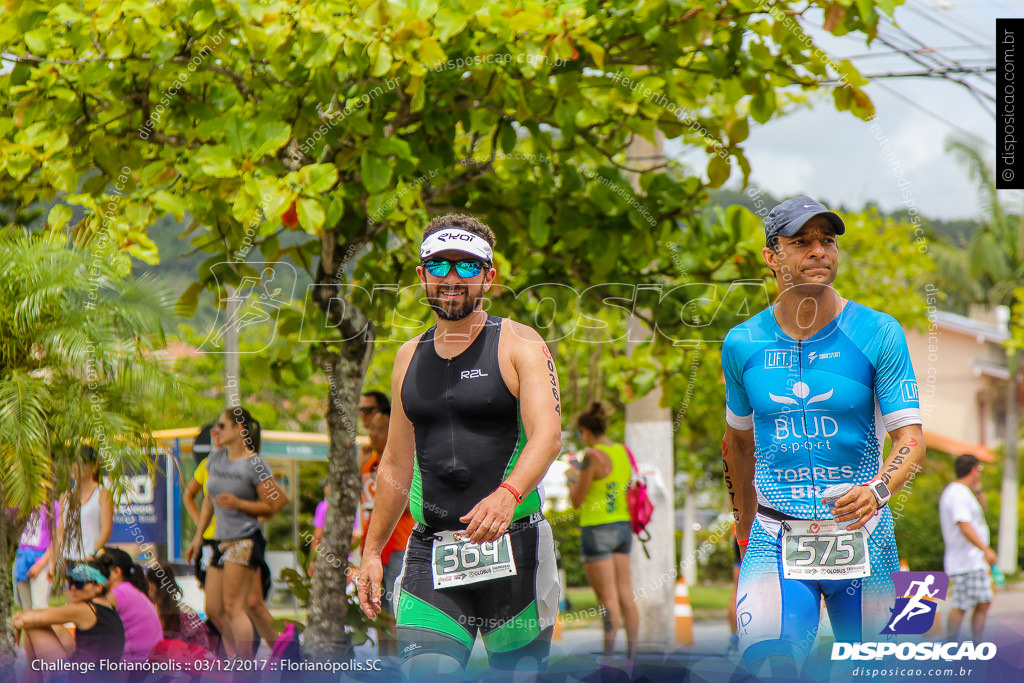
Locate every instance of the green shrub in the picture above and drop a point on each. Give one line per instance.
(565, 526)
(915, 510)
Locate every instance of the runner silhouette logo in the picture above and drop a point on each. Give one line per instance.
(916, 602)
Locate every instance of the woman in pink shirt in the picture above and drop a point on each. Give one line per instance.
(142, 628)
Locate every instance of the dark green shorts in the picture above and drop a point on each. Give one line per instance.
(515, 615)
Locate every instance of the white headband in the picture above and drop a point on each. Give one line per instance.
(454, 239)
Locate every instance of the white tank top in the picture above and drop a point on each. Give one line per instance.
(90, 518)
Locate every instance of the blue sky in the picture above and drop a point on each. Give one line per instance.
(835, 157)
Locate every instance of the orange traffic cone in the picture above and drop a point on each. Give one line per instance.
(684, 614)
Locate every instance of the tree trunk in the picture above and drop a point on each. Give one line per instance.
(10, 532)
(325, 636)
(1011, 477)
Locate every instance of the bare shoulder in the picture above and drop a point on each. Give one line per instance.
(405, 353)
(402, 361)
(519, 338)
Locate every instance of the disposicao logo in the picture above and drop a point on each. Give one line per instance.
(913, 614)
(917, 593)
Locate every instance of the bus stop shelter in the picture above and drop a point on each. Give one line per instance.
(285, 452)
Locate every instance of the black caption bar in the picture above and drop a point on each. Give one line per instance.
(1009, 137)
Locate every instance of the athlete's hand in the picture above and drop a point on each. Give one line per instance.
(857, 506)
(371, 575)
(36, 569)
(990, 556)
(193, 549)
(489, 519)
(228, 501)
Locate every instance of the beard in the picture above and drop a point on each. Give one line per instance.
(452, 309)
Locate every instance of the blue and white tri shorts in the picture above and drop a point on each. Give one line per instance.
(779, 616)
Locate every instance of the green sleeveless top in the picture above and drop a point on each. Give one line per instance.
(606, 500)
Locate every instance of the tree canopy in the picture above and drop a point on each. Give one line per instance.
(79, 366)
(351, 123)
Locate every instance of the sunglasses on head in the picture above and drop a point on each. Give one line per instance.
(440, 267)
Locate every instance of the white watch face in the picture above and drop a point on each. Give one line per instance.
(880, 490)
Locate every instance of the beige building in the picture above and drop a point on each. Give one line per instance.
(961, 375)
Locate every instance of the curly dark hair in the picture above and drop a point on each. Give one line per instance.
(462, 222)
(594, 419)
(383, 404)
(115, 558)
(250, 426)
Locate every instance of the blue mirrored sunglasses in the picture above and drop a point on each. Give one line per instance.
(441, 267)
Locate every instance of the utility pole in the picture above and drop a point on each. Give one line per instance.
(649, 436)
(1007, 545)
(231, 388)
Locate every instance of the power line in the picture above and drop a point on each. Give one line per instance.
(932, 114)
(955, 15)
(954, 31)
(872, 55)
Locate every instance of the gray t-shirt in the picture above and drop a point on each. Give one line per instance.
(239, 477)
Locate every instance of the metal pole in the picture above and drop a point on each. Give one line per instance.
(231, 389)
(295, 524)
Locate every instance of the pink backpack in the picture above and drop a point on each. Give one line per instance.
(641, 509)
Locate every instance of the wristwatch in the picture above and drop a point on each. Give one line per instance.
(880, 490)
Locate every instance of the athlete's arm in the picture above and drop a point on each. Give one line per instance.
(534, 381)
(738, 466)
(278, 498)
(974, 539)
(57, 542)
(982, 501)
(77, 612)
(191, 491)
(904, 461)
(394, 481)
(106, 519)
(205, 517)
(270, 498)
(579, 486)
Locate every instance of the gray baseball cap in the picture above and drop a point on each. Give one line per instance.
(787, 218)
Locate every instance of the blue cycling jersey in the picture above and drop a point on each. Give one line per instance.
(820, 407)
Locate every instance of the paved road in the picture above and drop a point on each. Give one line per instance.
(576, 656)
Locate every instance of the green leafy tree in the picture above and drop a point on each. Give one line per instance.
(987, 269)
(352, 123)
(78, 365)
(282, 396)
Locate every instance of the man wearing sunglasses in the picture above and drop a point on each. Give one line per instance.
(371, 404)
(474, 427)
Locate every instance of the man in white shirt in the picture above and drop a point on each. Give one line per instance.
(967, 551)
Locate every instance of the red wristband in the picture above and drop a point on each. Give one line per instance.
(742, 542)
(511, 489)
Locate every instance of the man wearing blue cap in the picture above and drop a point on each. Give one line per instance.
(813, 384)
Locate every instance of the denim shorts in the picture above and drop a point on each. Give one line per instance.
(598, 542)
